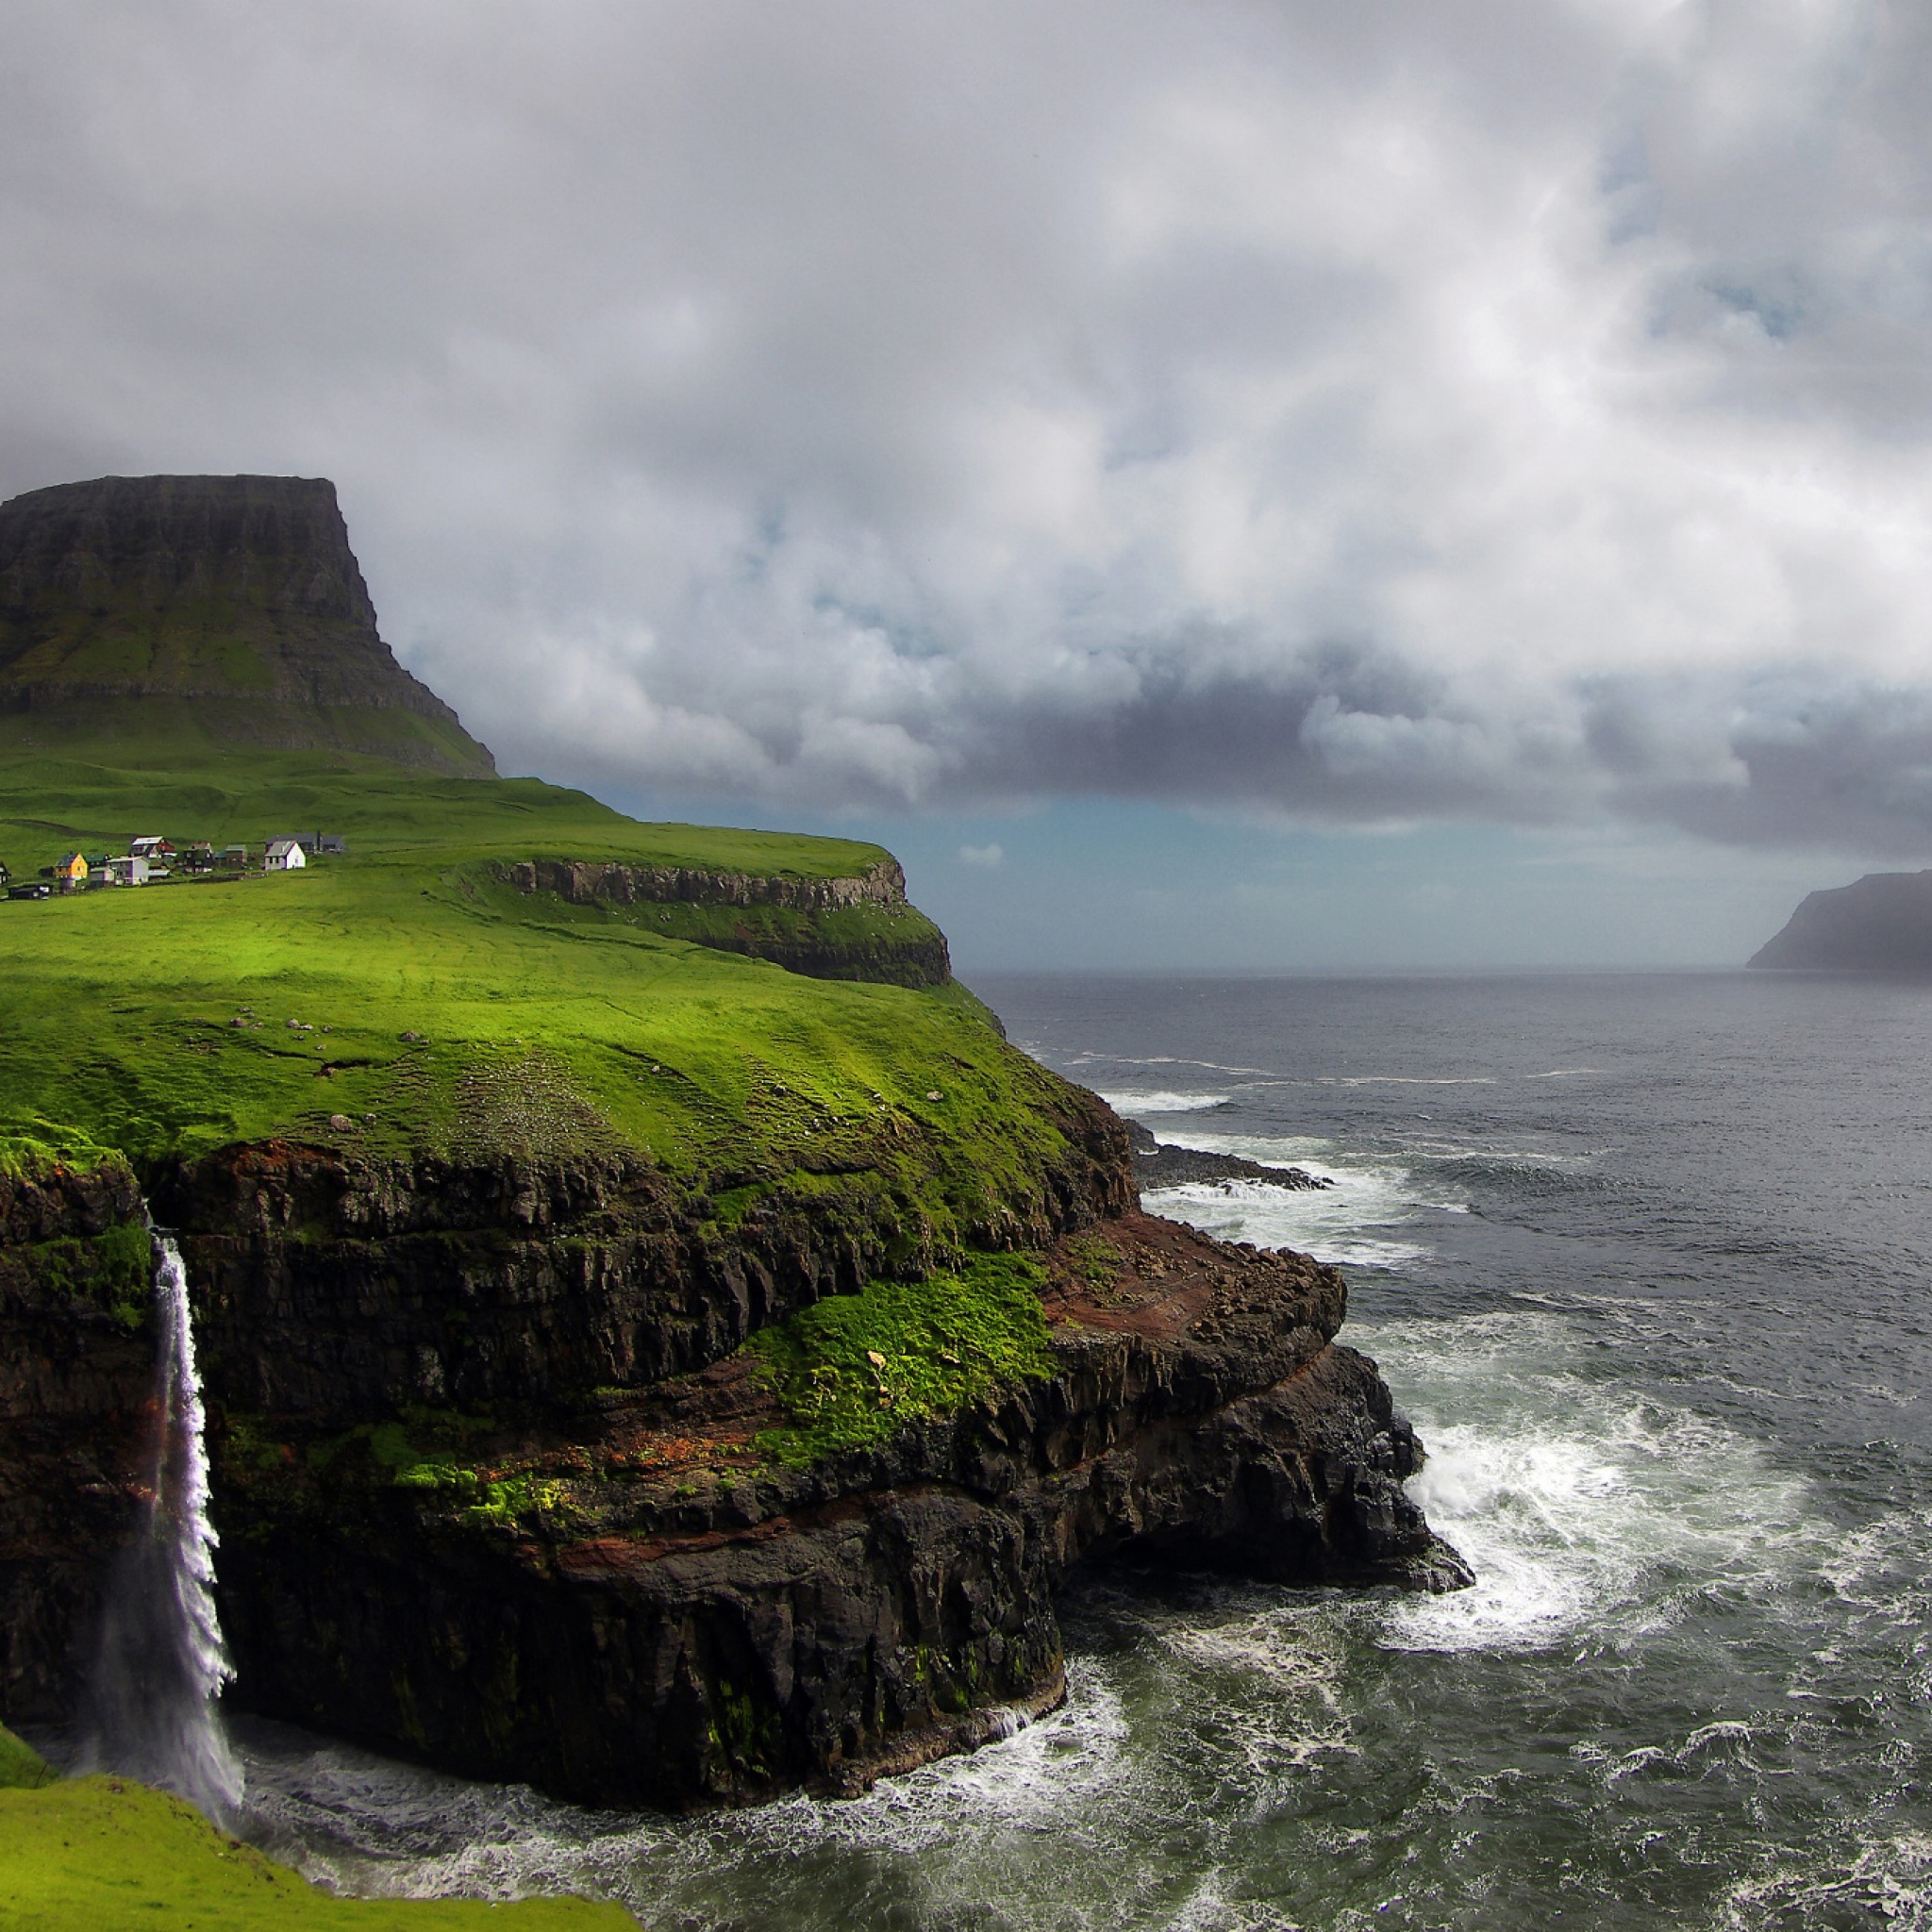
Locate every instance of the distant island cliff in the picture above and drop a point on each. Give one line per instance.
(1882, 924)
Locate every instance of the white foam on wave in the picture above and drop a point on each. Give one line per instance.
(1579, 1509)
(1156, 1060)
(1163, 1100)
(1850, 1876)
(1271, 1217)
(364, 1825)
(1365, 1218)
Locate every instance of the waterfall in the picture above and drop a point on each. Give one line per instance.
(151, 1699)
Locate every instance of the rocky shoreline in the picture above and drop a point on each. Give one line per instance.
(675, 1619)
(613, 1591)
(1158, 1165)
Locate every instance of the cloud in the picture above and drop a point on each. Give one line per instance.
(1513, 410)
(987, 857)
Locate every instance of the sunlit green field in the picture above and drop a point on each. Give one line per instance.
(537, 1027)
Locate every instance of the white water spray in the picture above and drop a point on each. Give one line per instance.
(162, 1663)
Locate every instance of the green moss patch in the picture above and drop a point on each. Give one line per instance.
(102, 1855)
(852, 1370)
(20, 1766)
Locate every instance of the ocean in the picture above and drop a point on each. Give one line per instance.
(1648, 1262)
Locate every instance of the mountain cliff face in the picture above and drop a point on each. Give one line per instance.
(1881, 924)
(233, 598)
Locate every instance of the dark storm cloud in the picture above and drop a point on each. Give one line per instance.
(1450, 407)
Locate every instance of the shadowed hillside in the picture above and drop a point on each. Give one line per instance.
(228, 610)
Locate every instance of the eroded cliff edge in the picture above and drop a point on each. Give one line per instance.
(500, 1486)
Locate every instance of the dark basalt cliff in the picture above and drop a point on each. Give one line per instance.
(231, 600)
(672, 1620)
(76, 1385)
(601, 1581)
(1881, 924)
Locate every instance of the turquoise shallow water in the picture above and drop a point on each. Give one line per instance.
(1649, 1262)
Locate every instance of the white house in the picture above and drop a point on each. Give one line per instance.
(126, 872)
(283, 854)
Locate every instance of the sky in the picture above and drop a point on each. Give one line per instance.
(1214, 485)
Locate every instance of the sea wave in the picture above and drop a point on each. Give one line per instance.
(1164, 1101)
(1577, 1507)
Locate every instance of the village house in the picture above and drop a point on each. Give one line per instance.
(198, 858)
(234, 858)
(127, 872)
(156, 850)
(68, 872)
(283, 854)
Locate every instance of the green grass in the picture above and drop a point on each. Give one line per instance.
(544, 1034)
(853, 1370)
(51, 804)
(102, 1855)
(20, 1766)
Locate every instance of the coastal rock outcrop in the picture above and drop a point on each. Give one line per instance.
(1159, 1165)
(655, 1613)
(599, 1575)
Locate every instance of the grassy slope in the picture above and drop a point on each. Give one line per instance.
(117, 1020)
(20, 1766)
(96, 1854)
(101, 1854)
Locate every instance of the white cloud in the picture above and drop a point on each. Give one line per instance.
(987, 857)
(1509, 408)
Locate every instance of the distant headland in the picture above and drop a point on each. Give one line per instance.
(1882, 924)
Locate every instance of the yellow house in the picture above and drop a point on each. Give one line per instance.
(71, 869)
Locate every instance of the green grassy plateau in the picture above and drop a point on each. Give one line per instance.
(537, 1027)
(102, 1855)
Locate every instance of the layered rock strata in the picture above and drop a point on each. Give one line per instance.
(498, 1487)
(660, 1614)
(881, 884)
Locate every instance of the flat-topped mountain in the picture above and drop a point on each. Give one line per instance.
(230, 609)
(1882, 924)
